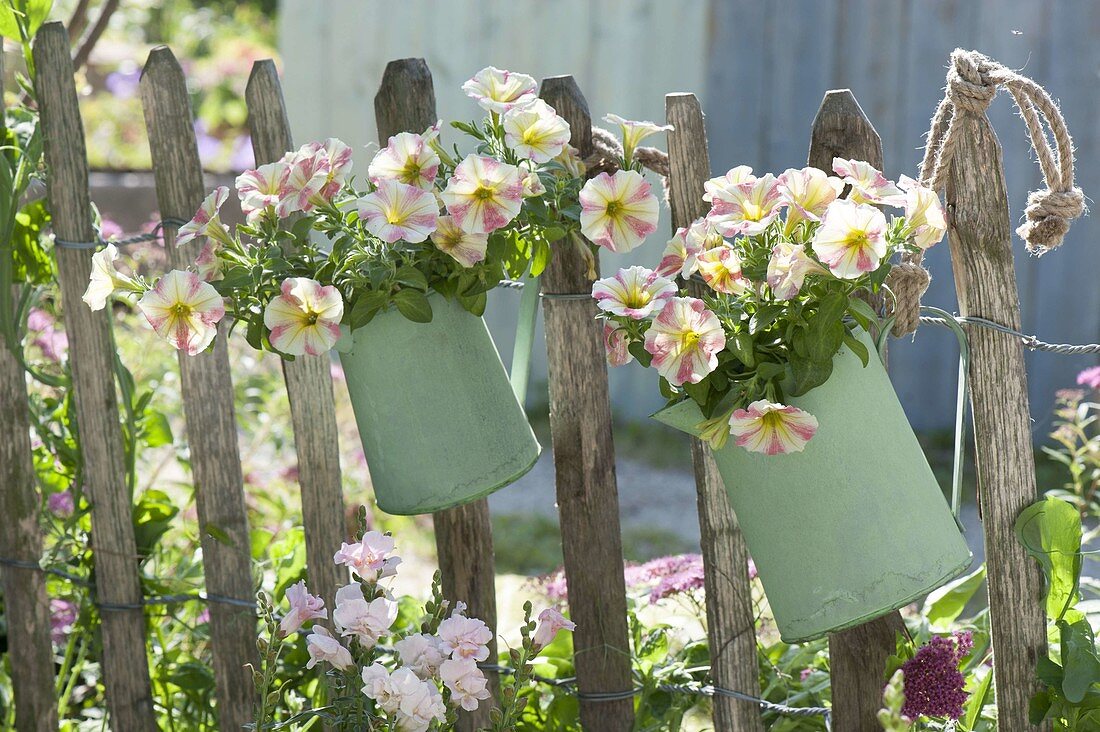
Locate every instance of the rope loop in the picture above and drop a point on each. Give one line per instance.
(973, 80)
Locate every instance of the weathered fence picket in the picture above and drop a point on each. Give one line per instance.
(857, 656)
(731, 625)
(980, 235)
(28, 607)
(405, 102)
(207, 391)
(308, 378)
(91, 356)
(584, 460)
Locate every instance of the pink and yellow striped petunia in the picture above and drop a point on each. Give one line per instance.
(184, 310)
(395, 211)
(484, 194)
(305, 318)
(685, 339)
(772, 429)
(852, 239)
(618, 211)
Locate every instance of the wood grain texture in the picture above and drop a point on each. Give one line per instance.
(207, 391)
(857, 657)
(405, 102)
(308, 378)
(26, 606)
(91, 354)
(980, 235)
(584, 460)
(731, 628)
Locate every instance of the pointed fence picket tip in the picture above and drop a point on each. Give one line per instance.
(839, 126)
(268, 121)
(405, 100)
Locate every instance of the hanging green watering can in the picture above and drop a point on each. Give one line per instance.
(853, 527)
(439, 421)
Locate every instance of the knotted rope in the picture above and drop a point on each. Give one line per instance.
(972, 82)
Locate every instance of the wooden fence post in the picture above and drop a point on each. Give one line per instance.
(584, 460)
(26, 604)
(980, 234)
(731, 627)
(207, 391)
(405, 102)
(308, 378)
(857, 656)
(91, 354)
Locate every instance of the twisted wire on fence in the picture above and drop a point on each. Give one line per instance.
(153, 235)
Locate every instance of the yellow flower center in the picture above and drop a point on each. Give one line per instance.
(312, 318)
(857, 238)
(181, 310)
(484, 193)
(689, 339)
(410, 174)
(613, 208)
(637, 298)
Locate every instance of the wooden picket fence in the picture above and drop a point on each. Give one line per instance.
(580, 420)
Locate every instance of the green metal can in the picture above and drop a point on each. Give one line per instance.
(439, 422)
(853, 527)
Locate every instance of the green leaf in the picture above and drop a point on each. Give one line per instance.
(808, 373)
(152, 517)
(742, 346)
(857, 347)
(1038, 707)
(1050, 531)
(972, 711)
(154, 429)
(366, 307)
(1079, 661)
(474, 304)
(37, 12)
(412, 277)
(638, 351)
(858, 307)
(413, 305)
(947, 603)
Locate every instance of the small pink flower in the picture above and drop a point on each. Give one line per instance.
(787, 269)
(1090, 377)
(720, 268)
(63, 616)
(377, 685)
(484, 194)
(868, 184)
(720, 187)
(463, 637)
(303, 607)
(206, 223)
(61, 504)
(616, 345)
(746, 208)
(681, 255)
(305, 318)
(407, 158)
(184, 310)
(367, 621)
(466, 682)
(466, 249)
(323, 647)
(685, 339)
(208, 265)
(772, 429)
(498, 91)
(551, 621)
(535, 131)
(368, 558)
(261, 189)
(634, 292)
(634, 132)
(395, 211)
(317, 171)
(852, 239)
(618, 211)
(808, 192)
(923, 213)
(422, 653)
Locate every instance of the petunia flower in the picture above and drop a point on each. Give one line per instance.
(208, 265)
(305, 318)
(787, 269)
(685, 339)
(927, 223)
(808, 192)
(615, 345)
(720, 268)
(869, 185)
(206, 223)
(772, 429)
(532, 185)
(746, 208)
(105, 278)
(395, 211)
(407, 158)
(634, 292)
(535, 131)
(618, 211)
(681, 255)
(717, 188)
(467, 249)
(184, 310)
(633, 133)
(852, 239)
(570, 159)
(303, 608)
(323, 647)
(484, 194)
(496, 90)
(317, 171)
(262, 188)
